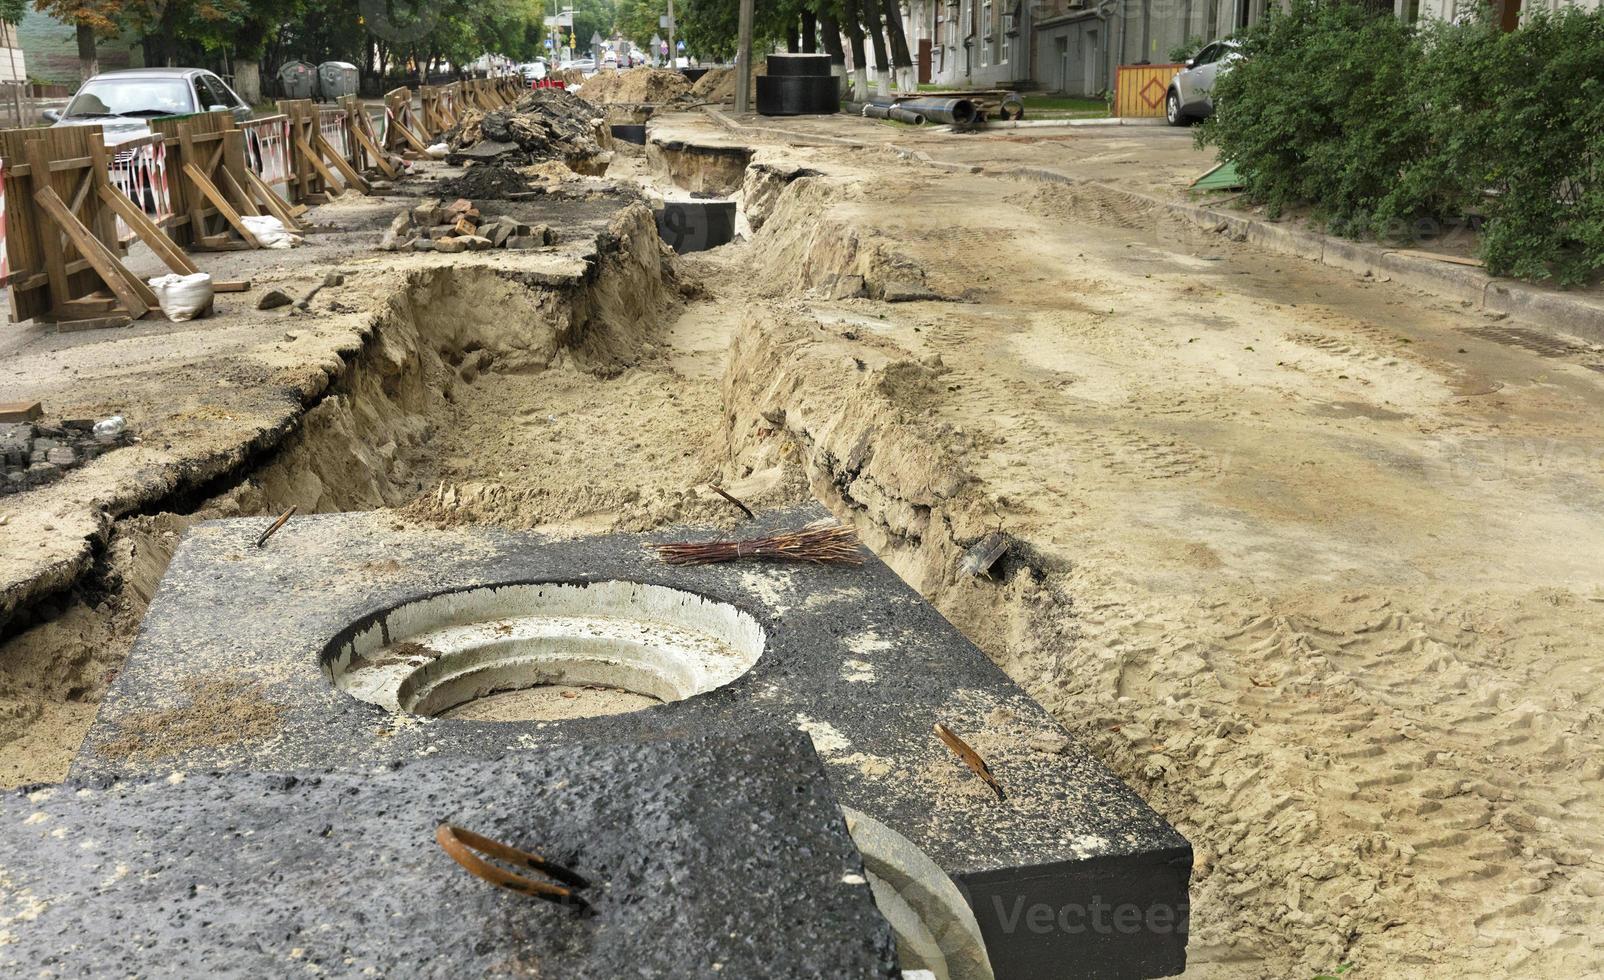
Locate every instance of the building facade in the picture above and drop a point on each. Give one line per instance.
(1068, 46)
(1075, 46)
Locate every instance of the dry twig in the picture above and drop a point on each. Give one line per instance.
(273, 528)
(460, 845)
(731, 498)
(823, 542)
(970, 758)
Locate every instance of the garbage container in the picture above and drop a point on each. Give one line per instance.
(337, 79)
(298, 80)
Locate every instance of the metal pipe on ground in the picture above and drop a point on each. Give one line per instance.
(954, 112)
(900, 114)
(873, 111)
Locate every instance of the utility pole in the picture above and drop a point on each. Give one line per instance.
(673, 54)
(743, 60)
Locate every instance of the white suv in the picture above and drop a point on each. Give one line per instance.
(1191, 91)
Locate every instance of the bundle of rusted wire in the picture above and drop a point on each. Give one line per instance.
(824, 542)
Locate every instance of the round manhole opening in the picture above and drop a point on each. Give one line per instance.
(546, 652)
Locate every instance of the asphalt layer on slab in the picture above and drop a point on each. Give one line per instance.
(852, 655)
(705, 857)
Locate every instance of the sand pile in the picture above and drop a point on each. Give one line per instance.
(546, 124)
(636, 85)
(718, 85)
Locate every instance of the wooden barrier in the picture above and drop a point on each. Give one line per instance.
(61, 238)
(69, 206)
(206, 153)
(401, 127)
(367, 148)
(432, 114)
(1139, 90)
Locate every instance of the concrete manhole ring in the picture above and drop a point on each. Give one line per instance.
(544, 651)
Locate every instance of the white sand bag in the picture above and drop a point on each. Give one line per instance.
(270, 231)
(183, 297)
(439, 151)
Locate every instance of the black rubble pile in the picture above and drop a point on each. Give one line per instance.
(546, 124)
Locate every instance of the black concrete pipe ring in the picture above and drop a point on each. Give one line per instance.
(804, 65)
(798, 95)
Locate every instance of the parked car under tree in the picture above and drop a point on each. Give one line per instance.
(124, 102)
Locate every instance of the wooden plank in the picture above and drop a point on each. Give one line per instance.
(410, 137)
(211, 193)
(95, 323)
(331, 182)
(231, 286)
(352, 178)
(55, 259)
(272, 201)
(234, 170)
(136, 297)
(147, 230)
(187, 157)
(243, 200)
(379, 156)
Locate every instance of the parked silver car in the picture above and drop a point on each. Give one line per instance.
(124, 102)
(1190, 97)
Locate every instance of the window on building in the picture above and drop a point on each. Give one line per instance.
(986, 33)
(1007, 38)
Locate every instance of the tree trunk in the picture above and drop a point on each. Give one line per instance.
(793, 39)
(88, 61)
(860, 62)
(810, 32)
(901, 59)
(248, 80)
(831, 32)
(877, 40)
(895, 37)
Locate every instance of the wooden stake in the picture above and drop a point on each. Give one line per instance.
(352, 178)
(136, 297)
(207, 188)
(148, 231)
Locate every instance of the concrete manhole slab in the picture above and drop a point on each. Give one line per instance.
(233, 667)
(705, 857)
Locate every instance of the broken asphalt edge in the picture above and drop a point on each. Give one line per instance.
(179, 475)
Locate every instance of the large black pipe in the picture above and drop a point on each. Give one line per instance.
(954, 112)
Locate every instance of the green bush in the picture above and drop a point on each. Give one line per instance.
(1186, 49)
(1394, 132)
(1312, 113)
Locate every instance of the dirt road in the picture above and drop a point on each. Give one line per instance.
(1311, 560)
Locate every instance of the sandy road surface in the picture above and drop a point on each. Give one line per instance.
(1320, 556)
(1310, 560)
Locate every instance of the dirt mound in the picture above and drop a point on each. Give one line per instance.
(636, 85)
(490, 181)
(718, 85)
(546, 124)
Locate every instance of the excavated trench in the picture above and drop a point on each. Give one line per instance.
(479, 393)
(484, 395)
